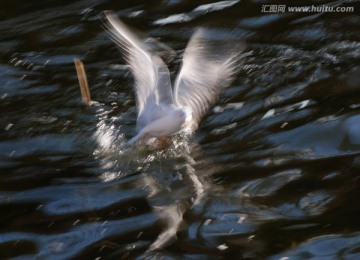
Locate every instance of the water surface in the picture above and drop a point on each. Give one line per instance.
(272, 171)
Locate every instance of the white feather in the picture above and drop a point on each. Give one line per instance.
(201, 79)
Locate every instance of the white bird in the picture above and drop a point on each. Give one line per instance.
(162, 110)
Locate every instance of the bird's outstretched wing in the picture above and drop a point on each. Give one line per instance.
(206, 70)
(152, 78)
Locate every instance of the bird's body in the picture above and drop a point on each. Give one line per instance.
(174, 119)
(164, 110)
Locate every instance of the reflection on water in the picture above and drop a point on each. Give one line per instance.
(166, 176)
(272, 172)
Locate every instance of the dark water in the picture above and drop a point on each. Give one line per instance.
(273, 171)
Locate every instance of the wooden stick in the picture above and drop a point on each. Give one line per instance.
(84, 86)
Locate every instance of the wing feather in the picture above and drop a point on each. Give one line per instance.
(152, 77)
(206, 70)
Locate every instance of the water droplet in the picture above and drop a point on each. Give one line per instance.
(222, 247)
(8, 127)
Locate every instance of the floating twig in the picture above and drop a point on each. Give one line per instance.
(84, 86)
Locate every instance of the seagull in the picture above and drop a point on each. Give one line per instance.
(163, 110)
